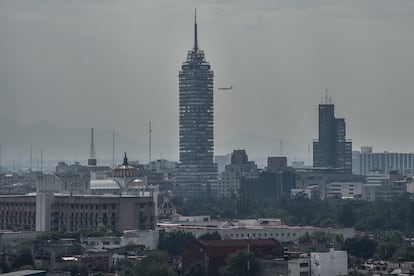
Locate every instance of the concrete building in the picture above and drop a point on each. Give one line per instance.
(332, 263)
(299, 267)
(64, 212)
(240, 167)
(63, 183)
(332, 149)
(222, 161)
(384, 187)
(276, 164)
(345, 190)
(275, 182)
(383, 161)
(196, 175)
(251, 229)
(148, 239)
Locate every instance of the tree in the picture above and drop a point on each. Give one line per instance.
(241, 263)
(155, 264)
(391, 242)
(215, 236)
(176, 242)
(362, 247)
(196, 269)
(22, 259)
(4, 267)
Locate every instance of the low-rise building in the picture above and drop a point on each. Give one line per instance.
(252, 229)
(147, 239)
(345, 190)
(332, 263)
(384, 187)
(213, 253)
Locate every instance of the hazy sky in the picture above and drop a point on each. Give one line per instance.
(114, 65)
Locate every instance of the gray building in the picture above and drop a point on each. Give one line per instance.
(240, 167)
(196, 174)
(384, 187)
(332, 149)
(385, 162)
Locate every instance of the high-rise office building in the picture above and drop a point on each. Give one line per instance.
(197, 174)
(332, 150)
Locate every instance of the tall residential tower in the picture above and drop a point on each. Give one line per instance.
(197, 174)
(332, 150)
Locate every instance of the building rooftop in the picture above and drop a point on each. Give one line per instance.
(25, 273)
(226, 243)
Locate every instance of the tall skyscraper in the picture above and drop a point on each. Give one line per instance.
(196, 175)
(332, 150)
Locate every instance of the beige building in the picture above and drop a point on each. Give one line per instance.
(240, 167)
(65, 212)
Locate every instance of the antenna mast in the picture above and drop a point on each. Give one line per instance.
(41, 160)
(31, 158)
(92, 154)
(281, 148)
(195, 31)
(113, 149)
(0, 158)
(150, 142)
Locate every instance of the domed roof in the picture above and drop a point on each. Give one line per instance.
(137, 184)
(125, 170)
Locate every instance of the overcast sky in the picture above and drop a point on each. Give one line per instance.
(114, 65)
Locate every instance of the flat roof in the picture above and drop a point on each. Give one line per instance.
(25, 273)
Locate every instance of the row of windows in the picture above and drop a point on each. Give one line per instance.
(86, 206)
(242, 235)
(17, 221)
(18, 204)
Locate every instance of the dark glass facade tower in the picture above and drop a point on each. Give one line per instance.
(332, 150)
(197, 174)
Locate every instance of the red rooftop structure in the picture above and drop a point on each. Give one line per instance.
(213, 253)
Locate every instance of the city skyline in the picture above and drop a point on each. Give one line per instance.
(279, 57)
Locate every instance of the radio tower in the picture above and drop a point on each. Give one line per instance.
(31, 159)
(92, 154)
(149, 145)
(41, 160)
(113, 149)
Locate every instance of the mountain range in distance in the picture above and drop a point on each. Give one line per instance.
(73, 144)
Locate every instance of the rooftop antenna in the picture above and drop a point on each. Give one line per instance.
(113, 149)
(41, 160)
(309, 153)
(0, 158)
(31, 159)
(326, 96)
(150, 142)
(92, 154)
(281, 148)
(195, 30)
(19, 163)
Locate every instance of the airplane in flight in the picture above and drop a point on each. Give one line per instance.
(225, 88)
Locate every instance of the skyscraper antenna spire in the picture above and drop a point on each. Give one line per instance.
(195, 30)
